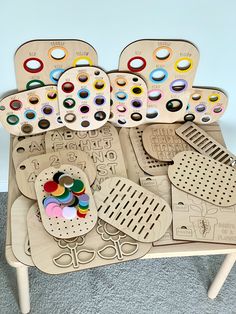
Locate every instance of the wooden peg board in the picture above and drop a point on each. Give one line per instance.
(31, 112)
(197, 220)
(103, 245)
(132, 209)
(206, 105)
(168, 67)
(128, 99)
(103, 145)
(204, 177)
(41, 62)
(161, 142)
(19, 233)
(148, 164)
(29, 169)
(59, 227)
(84, 98)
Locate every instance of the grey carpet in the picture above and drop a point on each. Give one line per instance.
(169, 285)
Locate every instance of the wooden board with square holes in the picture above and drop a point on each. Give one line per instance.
(162, 143)
(205, 144)
(168, 67)
(41, 62)
(31, 112)
(204, 177)
(59, 227)
(206, 105)
(103, 145)
(197, 220)
(29, 169)
(103, 245)
(132, 209)
(128, 99)
(84, 98)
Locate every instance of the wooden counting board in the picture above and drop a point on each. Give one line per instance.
(128, 99)
(84, 98)
(41, 62)
(31, 112)
(206, 105)
(168, 67)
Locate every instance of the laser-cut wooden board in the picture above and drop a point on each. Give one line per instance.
(103, 245)
(132, 209)
(59, 227)
(84, 98)
(168, 67)
(18, 139)
(204, 177)
(205, 144)
(128, 99)
(161, 142)
(103, 145)
(206, 105)
(40, 62)
(31, 112)
(197, 220)
(29, 169)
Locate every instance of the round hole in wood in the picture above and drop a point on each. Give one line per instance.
(121, 96)
(20, 150)
(15, 104)
(154, 95)
(55, 75)
(162, 53)
(27, 128)
(217, 109)
(69, 103)
(83, 77)
(121, 108)
(206, 119)
(200, 108)
(34, 84)
(44, 124)
(33, 99)
(213, 98)
(122, 121)
(135, 79)
(196, 97)
(121, 82)
(52, 95)
(68, 87)
(100, 115)
(136, 116)
(136, 103)
(189, 117)
(84, 109)
(59, 120)
(33, 65)
(58, 53)
(70, 117)
(174, 105)
(99, 84)
(158, 75)
(30, 114)
(2, 108)
(83, 93)
(47, 109)
(152, 113)
(136, 64)
(178, 85)
(85, 124)
(22, 167)
(13, 119)
(96, 72)
(183, 64)
(137, 90)
(99, 100)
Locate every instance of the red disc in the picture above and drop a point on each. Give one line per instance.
(50, 186)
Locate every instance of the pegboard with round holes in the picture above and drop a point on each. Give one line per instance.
(128, 99)
(84, 98)
(41, 62)
(148, 164)
(168, 67)
(204, 177)
(31, 112)
(162, 143)
(28, 170)
(206, 105)
(18, 139)
(133, 210)
(59, 227)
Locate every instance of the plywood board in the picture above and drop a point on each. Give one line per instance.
(18, 139)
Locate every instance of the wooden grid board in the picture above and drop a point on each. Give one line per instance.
(41, 62)
(128, 99)
(103, 145)
(31, 112)
(204, 177)
(84, 98)
(206, 105)
(103, 245)
(59, 227)
(132, 209)
(29, 169)
(197, 220)
(169, 67)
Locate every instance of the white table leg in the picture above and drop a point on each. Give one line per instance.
(221, 275)
(23, 288)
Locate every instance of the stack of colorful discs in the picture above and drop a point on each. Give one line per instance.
(83, 207)
(78, 187)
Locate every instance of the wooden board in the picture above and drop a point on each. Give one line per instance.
(206, 105)
(205, 144)
(28, 170)
(59, 227)
(128, 99)
(103, 145)
(103, 245)
(18, 139)
(84, 98)
(31, 112)
(204, 177)
(162, 143)
(41, 62)
(197, 220)
(132, 209)
(169, 67)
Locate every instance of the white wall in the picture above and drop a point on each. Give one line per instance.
(110, 25)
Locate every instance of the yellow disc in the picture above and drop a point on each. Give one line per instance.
(59, 191)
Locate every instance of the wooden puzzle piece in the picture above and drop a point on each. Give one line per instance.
(168, 67)
(41, 62)
(84, 98)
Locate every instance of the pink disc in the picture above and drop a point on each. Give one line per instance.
(57, 211)
(49, 209)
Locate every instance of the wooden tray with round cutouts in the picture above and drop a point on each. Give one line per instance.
(84, 98)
